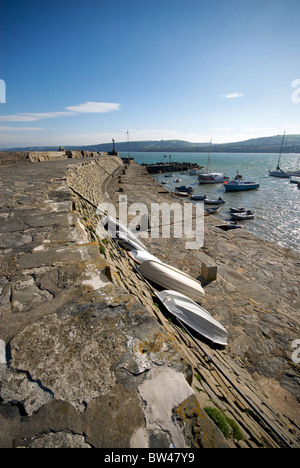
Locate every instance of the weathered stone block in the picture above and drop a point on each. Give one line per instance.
(209, 271)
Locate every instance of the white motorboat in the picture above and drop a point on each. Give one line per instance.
(170, 278)
(193, 315)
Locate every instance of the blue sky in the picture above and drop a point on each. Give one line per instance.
(79, 73)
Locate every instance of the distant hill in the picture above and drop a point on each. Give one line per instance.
(256, 145)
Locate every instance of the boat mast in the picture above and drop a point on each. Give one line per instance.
(278, 167)
(208, 160)
(128, 143)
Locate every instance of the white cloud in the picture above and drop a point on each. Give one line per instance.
(16, 118)
(233, 95)
(85, 108)
(94, 107)
(17, 129)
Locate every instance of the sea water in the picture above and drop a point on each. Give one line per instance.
(276, 204)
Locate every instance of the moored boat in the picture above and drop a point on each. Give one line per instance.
(194, 171)
(198, 197)
(238, 185)
(181, 194)
(237, 210)
(242, 216)
(229, 225)
(279, 172)
(193, 315)
(212, 201)
(208, 201)
(212, 210)
(212, 178)
(184, 188)
(208, 177)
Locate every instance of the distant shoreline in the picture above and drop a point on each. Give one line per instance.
(263, 145)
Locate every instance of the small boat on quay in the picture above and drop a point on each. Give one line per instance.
(238, 185)
(193, 315)
(141, 256)
(242, 216)
(124, 236)
(169, 277)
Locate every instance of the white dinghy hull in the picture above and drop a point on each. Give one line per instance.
(169, 277)
(125, 237)
(141, 256)
(194, 316)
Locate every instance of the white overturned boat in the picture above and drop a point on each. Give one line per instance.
(125, 237)
(194, 316)
(141, 256)
(169, 277)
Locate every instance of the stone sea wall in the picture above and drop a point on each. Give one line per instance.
(86, 358)
(11, 157)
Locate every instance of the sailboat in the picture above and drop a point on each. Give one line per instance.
(208, 177)
(279, 172)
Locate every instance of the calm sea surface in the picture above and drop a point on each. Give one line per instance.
(276, 204)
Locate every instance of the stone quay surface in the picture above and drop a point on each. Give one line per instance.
(86, 358)
(255, 296)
